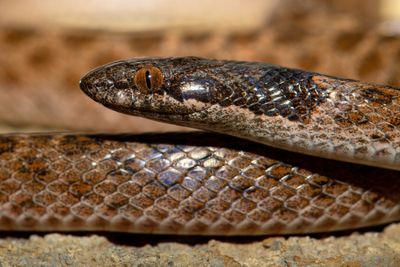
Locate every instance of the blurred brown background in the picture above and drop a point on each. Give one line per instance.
(46, 46)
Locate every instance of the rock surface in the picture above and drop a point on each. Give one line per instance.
(377, 248)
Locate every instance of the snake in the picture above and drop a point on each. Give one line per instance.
(284, 151)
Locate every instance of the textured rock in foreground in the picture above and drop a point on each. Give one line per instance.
(368, 249)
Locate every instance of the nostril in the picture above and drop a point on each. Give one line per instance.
(86, 86)
(83, 84)
(121, 84)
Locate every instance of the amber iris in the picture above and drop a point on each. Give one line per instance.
(148, 79)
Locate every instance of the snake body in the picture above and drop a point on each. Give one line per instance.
(198, 183)
(292, 109)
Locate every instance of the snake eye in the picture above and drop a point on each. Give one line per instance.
(148, 79)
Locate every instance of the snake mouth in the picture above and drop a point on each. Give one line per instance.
(158, 115)
(171, 118)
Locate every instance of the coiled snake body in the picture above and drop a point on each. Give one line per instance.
(199, 183)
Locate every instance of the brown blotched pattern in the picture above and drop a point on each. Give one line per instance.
(174, 184)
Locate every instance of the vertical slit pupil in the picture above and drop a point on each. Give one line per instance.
(148, 79)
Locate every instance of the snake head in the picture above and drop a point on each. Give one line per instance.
(157, 88)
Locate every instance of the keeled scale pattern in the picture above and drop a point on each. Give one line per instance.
(266, 89)
(71, 182)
